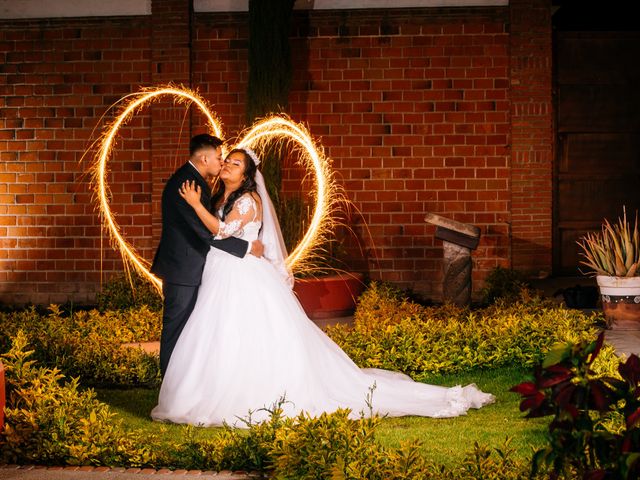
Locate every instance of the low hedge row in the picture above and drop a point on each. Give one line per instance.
(389, 332)
(88, 344)
(394, 333)
(51, 421)
(332, 446)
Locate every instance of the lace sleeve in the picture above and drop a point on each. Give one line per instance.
(243, 212)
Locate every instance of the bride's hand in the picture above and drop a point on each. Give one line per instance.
(190, 191)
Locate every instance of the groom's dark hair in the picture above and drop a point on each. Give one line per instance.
(204, 140)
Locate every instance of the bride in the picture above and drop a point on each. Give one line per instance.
(248, 342)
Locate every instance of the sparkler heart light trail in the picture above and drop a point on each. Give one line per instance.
(277, 129)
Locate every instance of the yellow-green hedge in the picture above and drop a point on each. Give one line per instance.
(53, 422)
(389, 332)
(88, 344)
(393, 333)
(333, 446)
(50, 420)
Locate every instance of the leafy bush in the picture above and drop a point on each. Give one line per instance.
(503, 284)
(332, 446)
(88, 344)
(124, 292)
(393, 333)
(57, 423)
(583, 402)
(232, 449)
(487, 464)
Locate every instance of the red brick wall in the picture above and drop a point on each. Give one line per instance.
(220, 69)
(171, 128)
(57, 77)
(532, 134)
(413, 106)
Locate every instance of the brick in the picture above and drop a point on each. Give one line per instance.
(454, 78)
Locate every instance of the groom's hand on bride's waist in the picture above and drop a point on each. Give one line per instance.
(257, 248)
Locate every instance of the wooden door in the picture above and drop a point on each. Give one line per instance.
(597, 168)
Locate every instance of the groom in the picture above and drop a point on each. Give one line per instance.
(185, 241)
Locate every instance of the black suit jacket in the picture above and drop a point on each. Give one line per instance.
(185, 241)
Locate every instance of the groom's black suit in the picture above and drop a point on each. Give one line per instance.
(181, 255)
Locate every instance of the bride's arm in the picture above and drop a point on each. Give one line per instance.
(190, 191)
(242, 212)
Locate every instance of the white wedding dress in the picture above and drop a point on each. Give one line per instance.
(248, 343)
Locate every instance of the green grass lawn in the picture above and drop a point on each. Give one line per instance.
(445, 441)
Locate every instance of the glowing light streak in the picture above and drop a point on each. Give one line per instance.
(272, 129)
(279, 128)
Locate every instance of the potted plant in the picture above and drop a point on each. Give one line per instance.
(325, 285)
(613, 255)
(329, 289)
(331, 295)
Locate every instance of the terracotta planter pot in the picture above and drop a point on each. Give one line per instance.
(3, 394)
(329, 297)
(620, 301)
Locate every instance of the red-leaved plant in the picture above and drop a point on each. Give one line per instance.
(566, 387)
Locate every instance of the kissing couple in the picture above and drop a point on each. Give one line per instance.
(235, 339)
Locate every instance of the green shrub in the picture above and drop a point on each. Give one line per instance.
(503, 284)
(50, 422)
(88, 344)
(232, 448)
(124, 292)
(393, 333)
(333, 446)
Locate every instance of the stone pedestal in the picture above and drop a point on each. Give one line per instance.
(459, 239)
(456, 284)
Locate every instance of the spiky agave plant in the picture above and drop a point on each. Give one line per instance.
(613, 252)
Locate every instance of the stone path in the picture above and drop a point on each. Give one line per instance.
(11, 472)
(625, 342)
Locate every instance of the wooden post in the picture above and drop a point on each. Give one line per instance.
(458, 241)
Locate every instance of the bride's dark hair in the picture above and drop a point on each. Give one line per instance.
(249, 185)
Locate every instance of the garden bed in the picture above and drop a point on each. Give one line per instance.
(444, 442)
(52, 420)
